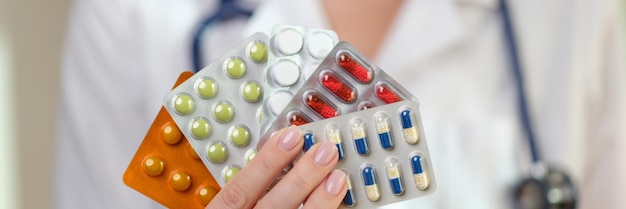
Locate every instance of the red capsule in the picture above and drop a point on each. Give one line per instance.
(297, 118)
(342, 90)
(387, 94)
(365, 105)
(358, 71)
(320, 105)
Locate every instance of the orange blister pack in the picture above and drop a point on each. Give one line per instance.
(167, 169)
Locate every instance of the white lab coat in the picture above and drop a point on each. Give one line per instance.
(122, 56)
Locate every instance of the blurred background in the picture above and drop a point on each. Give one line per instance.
(31, 37)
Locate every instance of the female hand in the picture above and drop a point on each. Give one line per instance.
(311, 182)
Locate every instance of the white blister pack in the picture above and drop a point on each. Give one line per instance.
(295, 53)
(344, 82)
(383, 151)
(218, 109)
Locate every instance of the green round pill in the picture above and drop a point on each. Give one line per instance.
(252, 92)
(217, 153)
(230, 173)
(223, 112)
(258, 52)
(200, 128)
(240, 136)
(184, 104)
(206, 88)
(251, 154)
(235, 67)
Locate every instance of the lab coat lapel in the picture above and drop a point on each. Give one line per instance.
(421, 30)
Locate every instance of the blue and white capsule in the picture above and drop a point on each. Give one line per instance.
(309, 140)
(349, 200)
(371, 184)
(382, 127)
(393, 174)
(410, 131)
(359, 136)
(333, 133)
(419, 172)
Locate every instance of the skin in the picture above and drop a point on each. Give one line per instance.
(365, 24)
(312, 181)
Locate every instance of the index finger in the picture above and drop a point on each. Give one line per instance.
(247, 186)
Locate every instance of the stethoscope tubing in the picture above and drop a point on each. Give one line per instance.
(516, 69)
(228, 9)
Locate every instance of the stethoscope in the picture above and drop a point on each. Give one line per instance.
(228, 9)
(546, 188)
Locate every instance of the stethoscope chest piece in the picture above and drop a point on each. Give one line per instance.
(553, 190)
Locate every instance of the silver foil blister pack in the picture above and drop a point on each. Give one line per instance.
(383, 151)
(344, 82)
(295, 53)
(218, 109)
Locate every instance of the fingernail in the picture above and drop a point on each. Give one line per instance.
(325, 153)
(262, 142)
(335, 182)
(289, 139)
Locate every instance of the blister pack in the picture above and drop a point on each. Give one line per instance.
(382, 150)
(166, 168)
(218, 109)
(344, 82)
(295, 53)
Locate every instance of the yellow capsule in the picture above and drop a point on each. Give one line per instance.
(393, 174)
(382, 126)
(359, 136)
(411, 135)
(371, 184)
(419, 172)
(349, 200)
(333, 133)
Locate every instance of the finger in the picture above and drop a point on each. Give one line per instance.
(247, 186)
(329, 193)
(308, 172)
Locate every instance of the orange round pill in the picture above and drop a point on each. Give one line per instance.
(193, 153)
(206, 194)
(153, 166)
(170, 132)
(180, 181)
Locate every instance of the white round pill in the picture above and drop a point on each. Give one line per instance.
(285, 73)
(319, 45)
(278, 101)
(289, 41)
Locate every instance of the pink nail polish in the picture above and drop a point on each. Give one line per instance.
(289, 139)
(325, 153)
(335, 182)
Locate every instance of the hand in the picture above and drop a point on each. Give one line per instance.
(312, 181)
